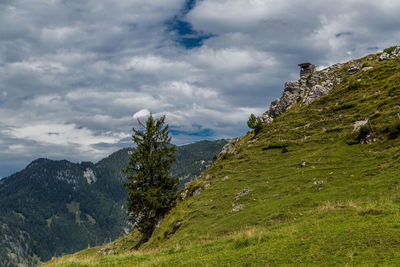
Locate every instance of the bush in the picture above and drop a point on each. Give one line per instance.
(277, 145)
(357, 137)
(255, 123)
(394, 131)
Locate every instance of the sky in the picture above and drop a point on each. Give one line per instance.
(75, 74)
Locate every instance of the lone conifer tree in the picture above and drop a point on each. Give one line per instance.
(150, 188)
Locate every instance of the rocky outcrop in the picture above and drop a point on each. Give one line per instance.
(228, 148)
(390, 53)
(318, 84)
(307, 90)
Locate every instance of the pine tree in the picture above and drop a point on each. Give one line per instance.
(150, 188)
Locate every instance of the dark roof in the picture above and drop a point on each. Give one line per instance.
(305, 64)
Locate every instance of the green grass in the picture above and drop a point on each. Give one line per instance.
(341, 208)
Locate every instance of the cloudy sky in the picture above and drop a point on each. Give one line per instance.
(73, 73)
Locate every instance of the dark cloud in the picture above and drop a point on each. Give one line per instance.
(73, 73)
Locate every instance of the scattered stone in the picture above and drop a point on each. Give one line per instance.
(357, 125)
(184, 194)
(207, 185)
(208, 177)
(225, 178)
(384, 56)
(197, 191)
(353, 69)
(244, 192)
(277, 195)
(303, 164)
(366, 69)
(318, 182)
(237, 208)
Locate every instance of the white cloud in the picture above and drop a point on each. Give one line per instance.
(141, 114)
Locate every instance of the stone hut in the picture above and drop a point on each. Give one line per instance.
(306, 69)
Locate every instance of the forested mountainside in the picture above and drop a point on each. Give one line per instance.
(56, 207)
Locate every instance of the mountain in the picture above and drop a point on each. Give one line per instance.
(56, 207)
(319, 185)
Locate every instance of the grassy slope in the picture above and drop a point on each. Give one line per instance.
(290, 216)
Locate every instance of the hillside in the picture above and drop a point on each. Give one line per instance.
(318, 186)
(56, 207)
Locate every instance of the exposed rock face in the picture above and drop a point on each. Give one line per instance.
(228, 148)
(318, 84)
(307, 88)
(317, 91)
(391, 55)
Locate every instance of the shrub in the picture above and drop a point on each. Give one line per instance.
(255, 123)
(357, 137)
(394, 131)
(277, 145)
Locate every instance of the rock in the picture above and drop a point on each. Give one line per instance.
(303, 164)
(225, 178)
(384, 56)
(277, 195)
(237, 208)
(207, 185)
(389, 56)
(197, 191)
(366, 69)
(291, 93)
(184, 194)
(244, 192)
(315, 93)
(227, 148)
(357, 125)
(306, 88)
(353, 69)
(318, 182)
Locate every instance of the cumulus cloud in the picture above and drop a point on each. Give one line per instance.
(143, 113)
(72, 73)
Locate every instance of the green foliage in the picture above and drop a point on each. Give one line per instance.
(394, 131)
(361, 134)
(255, 123)
(150, 187)
(354, 86)
(275, 145)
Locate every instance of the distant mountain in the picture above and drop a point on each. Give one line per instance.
(56, 207)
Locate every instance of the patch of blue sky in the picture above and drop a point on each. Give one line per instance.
(183, 31)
